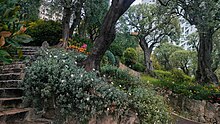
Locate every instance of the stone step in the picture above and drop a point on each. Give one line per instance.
(25, 56)
(25, 53)
(12, 69)
(12, 76)
(9, 83)
(6, 103)
(29, 48)
(12, 65)
(11, 116)
(35, 121)
(11, 92)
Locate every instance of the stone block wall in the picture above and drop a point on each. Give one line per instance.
(199, 110)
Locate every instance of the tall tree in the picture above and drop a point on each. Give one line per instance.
(69, 8)
(193, 43)
(106, 33)
(163, 53)
(151, 24)
(94, 13)
(216, 51)
(205, 16)
(183, 59)
(30, 9)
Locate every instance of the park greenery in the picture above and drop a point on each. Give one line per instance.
(80, 76)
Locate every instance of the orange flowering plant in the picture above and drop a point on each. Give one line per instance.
(80, 44)
(82, 49)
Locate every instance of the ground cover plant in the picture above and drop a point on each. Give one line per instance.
(183, 85)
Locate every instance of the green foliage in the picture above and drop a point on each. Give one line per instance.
(54, 80)
(5, 56)
(163, 53)
(11, 29)
(175, 75)
(183, 59)
(138, 67)
(122, 42)
(163, 75)
(79, 41)
(150, 107)
(109, 59)
(41, 31)
(119, 77)
(217, 71)
(156, 64)
(129, 56)
(30, 9)
(180, 76)
(189, 89)
(95, 11)
(216, 51)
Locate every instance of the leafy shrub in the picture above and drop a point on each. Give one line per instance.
(119, 77)
(217, 72)
(54, 79)
(189, 89)
(163, 75)
(150, 107)
(174, 75)
(122, 42)
(41, 31)
(11, 30)
(130, 56)
(180, 76)
(138, 67)
(109, 58)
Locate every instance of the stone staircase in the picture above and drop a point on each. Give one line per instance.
(12, 111)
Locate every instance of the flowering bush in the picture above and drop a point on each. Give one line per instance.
(150, 108)
(119, 77)
(54, 80)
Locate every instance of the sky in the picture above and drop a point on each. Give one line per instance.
(137, 1)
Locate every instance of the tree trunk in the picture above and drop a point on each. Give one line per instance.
(106, 34)
(67, 12)
(204, 74)
(77, 19)
(147, 54)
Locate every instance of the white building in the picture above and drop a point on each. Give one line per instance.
(149, 1)
(186, 30)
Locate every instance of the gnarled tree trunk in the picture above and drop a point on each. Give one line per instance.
(67, 12)
(106, 34)
(204, 73)
(76, 21)
(147, 54)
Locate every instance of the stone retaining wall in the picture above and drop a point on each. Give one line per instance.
(198, 110)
